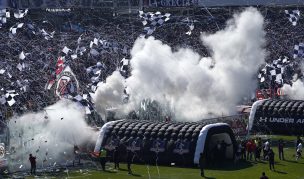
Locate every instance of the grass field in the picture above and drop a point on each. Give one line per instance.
(288, 169)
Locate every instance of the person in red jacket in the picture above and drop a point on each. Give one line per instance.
(249, 149)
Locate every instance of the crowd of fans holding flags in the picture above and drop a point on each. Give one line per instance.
(38, 45)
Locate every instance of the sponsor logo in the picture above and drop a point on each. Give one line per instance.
(281, 120)
(300, 121)
(263, 119)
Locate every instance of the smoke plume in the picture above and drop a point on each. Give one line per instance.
(110, 94)
(296, 90)
(49, 135)
(198, 87)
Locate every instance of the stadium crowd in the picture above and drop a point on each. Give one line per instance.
(119, 32)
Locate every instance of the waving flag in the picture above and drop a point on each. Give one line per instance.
(67, 83)
(293, 16)
(152, 20)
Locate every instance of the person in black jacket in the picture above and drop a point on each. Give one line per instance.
(223, 149)
(32, 160)
(271, 159)
(129, 161)
(281, 149)
(263, 176)
(201, 164)
(116, 158)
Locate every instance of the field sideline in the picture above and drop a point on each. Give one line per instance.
(288, 169)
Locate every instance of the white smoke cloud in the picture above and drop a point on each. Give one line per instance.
(185, 80)
(109, 94)
(49, 135)
(296, 91)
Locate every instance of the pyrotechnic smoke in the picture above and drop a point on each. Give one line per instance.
(187, 81)
(49, 135)
(296, 90)
(110, 94)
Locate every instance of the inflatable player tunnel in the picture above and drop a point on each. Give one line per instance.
(173, 142)
(283, 117)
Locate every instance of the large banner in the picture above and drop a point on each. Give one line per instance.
(182, 147)
(134, 145)
(158, 146)
(268, 93)
(112, 143)
(67, 83)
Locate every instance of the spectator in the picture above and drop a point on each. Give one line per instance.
(281, 149)
(129, 161)
(299, 151)
(116, 158)
(258, 153)
(238, 154)
(263, 176)
(299, 140)
(271, 159)
(260, 144)
(266, 150)
(259, 148)
(243, 150)
(217, 152)
(167, 119)
(249, 150)
(253, 149)
(201, 164)
(76, 155)
(223, 149)
(33, 164)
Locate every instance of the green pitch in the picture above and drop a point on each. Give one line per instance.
(243, 170)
